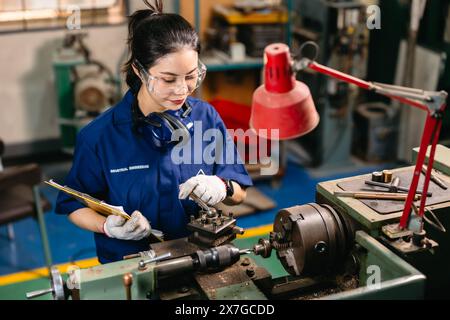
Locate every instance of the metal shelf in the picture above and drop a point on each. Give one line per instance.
(217, 61)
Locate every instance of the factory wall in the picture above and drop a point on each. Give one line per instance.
(28, 110)
(28, 106)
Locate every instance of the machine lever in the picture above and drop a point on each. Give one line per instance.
(200, 202)
(38, 293)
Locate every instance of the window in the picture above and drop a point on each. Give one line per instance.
(21, 15)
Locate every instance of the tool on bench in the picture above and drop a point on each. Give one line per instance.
(392, 188)
(434, 178)
(374, 195)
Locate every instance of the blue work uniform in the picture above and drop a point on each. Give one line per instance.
(114, 163)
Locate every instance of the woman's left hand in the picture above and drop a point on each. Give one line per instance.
(210, 189)
(136, 228)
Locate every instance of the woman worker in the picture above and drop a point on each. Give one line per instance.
(127, 157)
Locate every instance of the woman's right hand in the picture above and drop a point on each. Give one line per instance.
(136, 228)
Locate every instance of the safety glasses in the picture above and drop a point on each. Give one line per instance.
(164, 86)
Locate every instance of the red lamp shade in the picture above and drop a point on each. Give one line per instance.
(282, 102)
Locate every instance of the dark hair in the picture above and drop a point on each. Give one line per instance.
(151, 35)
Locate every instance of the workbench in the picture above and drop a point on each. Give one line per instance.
(435, 266)
(406, 275)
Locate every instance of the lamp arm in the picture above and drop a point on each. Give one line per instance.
(400, 88)
(432, 100)
(307, 63)
(434, 103)
(408, 95)
(398, 93)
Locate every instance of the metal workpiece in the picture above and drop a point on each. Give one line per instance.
(143, 263)
(238, 230)
(311, 239)
(377, 176)
(213, 228)
(263, 248)
(387, 176)
(245, 251)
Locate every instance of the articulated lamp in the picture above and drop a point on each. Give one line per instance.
(285, 104)
(282, 103)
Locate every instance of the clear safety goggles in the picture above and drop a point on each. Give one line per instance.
(165, 86)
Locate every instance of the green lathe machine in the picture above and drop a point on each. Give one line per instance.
(335, 248)
(84, 87)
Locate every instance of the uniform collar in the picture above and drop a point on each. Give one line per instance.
(122, 112)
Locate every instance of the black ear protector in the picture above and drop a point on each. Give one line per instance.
(164, 124)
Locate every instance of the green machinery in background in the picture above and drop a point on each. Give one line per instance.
(84, 87)
(336, 248)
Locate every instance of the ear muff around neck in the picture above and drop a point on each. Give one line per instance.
(164, 124)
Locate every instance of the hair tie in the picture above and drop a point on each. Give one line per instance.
(155, 13)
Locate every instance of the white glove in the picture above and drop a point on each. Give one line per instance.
(210, 189)
(136, 228)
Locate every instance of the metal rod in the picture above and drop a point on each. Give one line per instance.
(38, 293)
(399, 88)
(374, 195)
(435, 178)
(200, 202)
(245, 251)
(42, 228)
(384, 185)
(143, 263)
